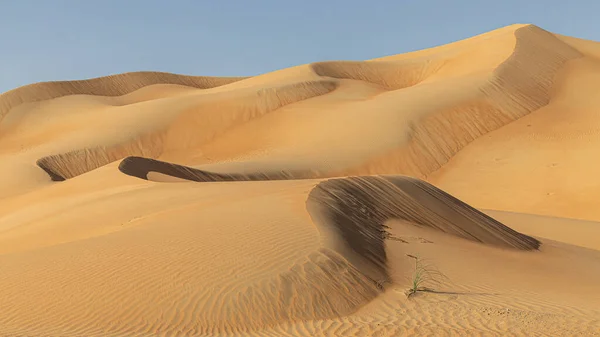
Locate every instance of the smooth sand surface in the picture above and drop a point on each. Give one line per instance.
(296, 203)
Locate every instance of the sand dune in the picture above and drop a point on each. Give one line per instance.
(409, 200)
(427, 135)
(293, 203)
(188, 130)
(255, 298)
(114, 85)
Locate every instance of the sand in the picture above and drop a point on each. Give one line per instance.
(295, 203)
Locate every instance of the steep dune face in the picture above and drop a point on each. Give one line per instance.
(380, 199)
(516, 87)
(352, 206)
(371, 201)
(190, 128)
(294, 202)
(550, 153)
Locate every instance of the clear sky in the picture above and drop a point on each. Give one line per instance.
(46, 40)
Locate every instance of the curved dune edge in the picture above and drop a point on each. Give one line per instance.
(389, 75)
(71, 164)
(357, 209)
(351, 214)
(140, 167)
(113, 85)
(380, 198)
(517, 87)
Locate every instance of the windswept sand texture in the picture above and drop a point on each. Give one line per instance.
(292, 203)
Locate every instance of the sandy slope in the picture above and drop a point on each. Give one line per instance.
(288, 203)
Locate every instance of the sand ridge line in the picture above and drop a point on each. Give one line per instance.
(112, 85)
(254, 105)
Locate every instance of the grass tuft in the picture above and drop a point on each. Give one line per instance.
(424, 276)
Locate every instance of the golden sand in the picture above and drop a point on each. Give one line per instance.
(293, 203)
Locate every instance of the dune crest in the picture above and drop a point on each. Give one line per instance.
(518, 86)
(186, 131)
(112, 85)
(389, 75)
(363, 204)
(358, 207)
(379, 198)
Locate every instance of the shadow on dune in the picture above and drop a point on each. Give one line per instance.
(353, 211)
(193, 126)
(350, 268)
(357, 209)
(140, 167)
(54, 176)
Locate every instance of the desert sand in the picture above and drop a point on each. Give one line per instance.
(296, 203)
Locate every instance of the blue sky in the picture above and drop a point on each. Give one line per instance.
(47, 40)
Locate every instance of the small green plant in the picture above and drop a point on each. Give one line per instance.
(424, 274)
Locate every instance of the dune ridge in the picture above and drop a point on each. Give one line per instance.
(380, 198)
(112, 85)
(514, 88)
(187, 130)
(363, 205)
(389, 75)
(140, 167)
(518, 86)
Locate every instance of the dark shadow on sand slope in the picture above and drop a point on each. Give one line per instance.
(357, 208)
(140, 167)
(54, 176)
(354, 210)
